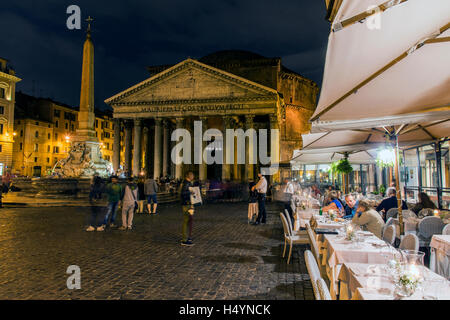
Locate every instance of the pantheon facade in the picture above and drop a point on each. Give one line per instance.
(224, 90)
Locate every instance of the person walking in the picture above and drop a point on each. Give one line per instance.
(129, 204)
(150, 190)
(141, 195)
(114, 193)
(96, 210)
(188, 209)
(261, 188)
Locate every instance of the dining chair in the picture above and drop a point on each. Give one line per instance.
(289, 237)
(323, 290)
(313, 243)
(446, 230)
(293, 232)
(391, 213)
(389, 234)
(313, 271)
(410, 242)
(427, 227)
(426, 212)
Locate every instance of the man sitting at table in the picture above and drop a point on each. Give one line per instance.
(334, 204)
(368, 218)
(350, 206)
(390, 202)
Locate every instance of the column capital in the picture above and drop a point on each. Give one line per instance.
(158, 121)
(229, 122)
(137, 122)
(249, 120)
(179, 121)
(273, 118)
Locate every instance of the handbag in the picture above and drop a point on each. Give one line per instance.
(136, 207)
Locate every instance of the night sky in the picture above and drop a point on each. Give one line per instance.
(131, 35)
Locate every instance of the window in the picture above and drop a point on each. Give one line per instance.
(2, 93)
(35, 159)
(1, 128)
(57, 113)
(67, 126)
(107, 146)
(96, 123)
(1, 148)
(55, 149)
(21, 133)
(48, 148)
(36, 147)
(2, 110)
(57, 124)
(72, 127)
(21, 146)
(56, 136)
(49, 136)
(36, 134)
(37, 123)
(48, 160)
(96, 134)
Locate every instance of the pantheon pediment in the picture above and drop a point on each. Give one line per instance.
(192, 82)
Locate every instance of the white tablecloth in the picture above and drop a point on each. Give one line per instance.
(440, 255)
(372, 282)
(337, 251)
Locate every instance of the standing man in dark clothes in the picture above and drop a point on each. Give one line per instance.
(96, 210)
(114, 193)
(261, 187)
(390, 202)
(188, 209)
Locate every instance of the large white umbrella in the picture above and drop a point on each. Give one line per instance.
(388, 73)
(401, 68)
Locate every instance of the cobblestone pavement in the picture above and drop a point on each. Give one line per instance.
(230, 259)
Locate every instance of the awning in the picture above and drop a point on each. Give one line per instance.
(401, 68)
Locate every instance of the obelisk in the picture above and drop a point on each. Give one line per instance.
(85, 157)
(86, 116)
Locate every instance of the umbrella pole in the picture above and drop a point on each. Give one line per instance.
(397, 182)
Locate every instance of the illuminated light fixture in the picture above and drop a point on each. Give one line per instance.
(14, 134)
(386, 157)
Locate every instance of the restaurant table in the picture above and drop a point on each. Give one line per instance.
(337, 250)
(440, 255)
(303, 216)
(360, 281)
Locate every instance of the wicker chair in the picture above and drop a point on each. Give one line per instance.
(392, 213)
(323, 290)
(427, 228)
(314, 272)
(389, 234)
(410, 242)
(446, 230)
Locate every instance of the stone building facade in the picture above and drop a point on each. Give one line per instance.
(225, 90)
(8, 82)
(43, 131)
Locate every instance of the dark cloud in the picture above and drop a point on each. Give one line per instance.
(130, 35)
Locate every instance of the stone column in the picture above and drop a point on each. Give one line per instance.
(179, 167)
(203, 167)
(249, 168)
(137, 148)
(116, 146)
(166, 159)
(144, 157)
(158, 149)
(128, 137)
(226, 168)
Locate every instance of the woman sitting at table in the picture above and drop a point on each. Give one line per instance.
(334, 204)
(424, 203)
(368, 218)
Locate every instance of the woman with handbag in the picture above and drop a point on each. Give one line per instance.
(129, 204)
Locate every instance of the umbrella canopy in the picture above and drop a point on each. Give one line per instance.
(400, 68)
(322, 157)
